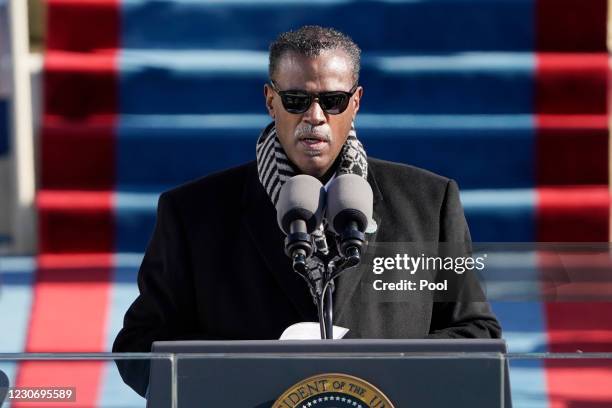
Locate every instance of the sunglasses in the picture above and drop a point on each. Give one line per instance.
(333, 102)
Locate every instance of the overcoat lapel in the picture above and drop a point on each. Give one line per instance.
(259, 218)
(350, 281)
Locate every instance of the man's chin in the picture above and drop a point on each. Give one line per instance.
(314, 166)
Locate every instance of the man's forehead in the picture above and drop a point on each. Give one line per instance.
(331, 68)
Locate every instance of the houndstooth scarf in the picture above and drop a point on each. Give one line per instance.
(275, 169)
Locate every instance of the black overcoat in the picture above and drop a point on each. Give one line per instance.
(215, 267)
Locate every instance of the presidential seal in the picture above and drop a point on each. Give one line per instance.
(333, 391)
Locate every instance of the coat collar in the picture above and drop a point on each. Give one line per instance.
(259, 217)
(350, 281)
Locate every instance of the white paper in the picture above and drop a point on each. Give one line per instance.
(309, 331)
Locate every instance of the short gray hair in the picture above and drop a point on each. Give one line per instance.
(310, 41)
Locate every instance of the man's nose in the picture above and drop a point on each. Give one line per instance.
(314, 115)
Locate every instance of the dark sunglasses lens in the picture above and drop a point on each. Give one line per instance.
(334, 103)
(296, 103)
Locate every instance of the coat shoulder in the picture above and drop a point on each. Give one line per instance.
(412, 179)
(221, 184)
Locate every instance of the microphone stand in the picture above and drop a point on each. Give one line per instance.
(329, 311)
(320, 280)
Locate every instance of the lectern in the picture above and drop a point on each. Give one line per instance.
(331, 373)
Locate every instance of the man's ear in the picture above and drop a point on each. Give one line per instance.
(269, 95)
(357, 101)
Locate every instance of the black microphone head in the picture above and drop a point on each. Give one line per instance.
(350, 199)
(301, 198)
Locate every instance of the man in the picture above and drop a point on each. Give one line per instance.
(215, 266)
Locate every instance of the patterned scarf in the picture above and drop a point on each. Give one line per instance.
(275, 169)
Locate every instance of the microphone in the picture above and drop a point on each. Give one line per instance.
(349, 209)
(299, 212)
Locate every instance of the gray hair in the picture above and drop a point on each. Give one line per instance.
(310, 41)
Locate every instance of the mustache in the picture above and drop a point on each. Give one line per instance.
(305, 131)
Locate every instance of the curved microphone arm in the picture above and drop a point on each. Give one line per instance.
(320, 280)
